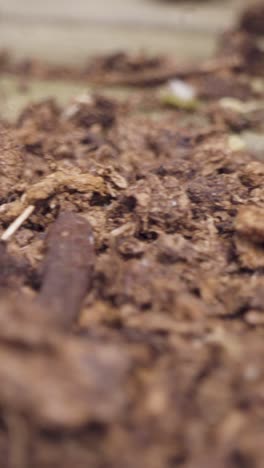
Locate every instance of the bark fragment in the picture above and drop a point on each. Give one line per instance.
(68, 268)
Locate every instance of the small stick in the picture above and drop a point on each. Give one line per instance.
(155, 78)
(68, 268)
(11, 230)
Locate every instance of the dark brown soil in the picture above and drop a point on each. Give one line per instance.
(252, 19)
(132, 299)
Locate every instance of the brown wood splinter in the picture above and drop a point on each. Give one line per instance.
(67, 268)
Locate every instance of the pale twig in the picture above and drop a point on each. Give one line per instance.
(11, 230)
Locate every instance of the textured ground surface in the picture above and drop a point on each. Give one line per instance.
(131, 306)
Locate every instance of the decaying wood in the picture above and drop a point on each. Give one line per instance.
(68, 268)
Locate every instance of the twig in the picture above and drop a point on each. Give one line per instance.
(162, 75)
(11, 230)
(68, 268)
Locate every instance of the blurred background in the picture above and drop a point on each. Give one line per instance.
(68, 31)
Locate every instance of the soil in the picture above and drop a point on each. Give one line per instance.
(252, 19)
(132, 299)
